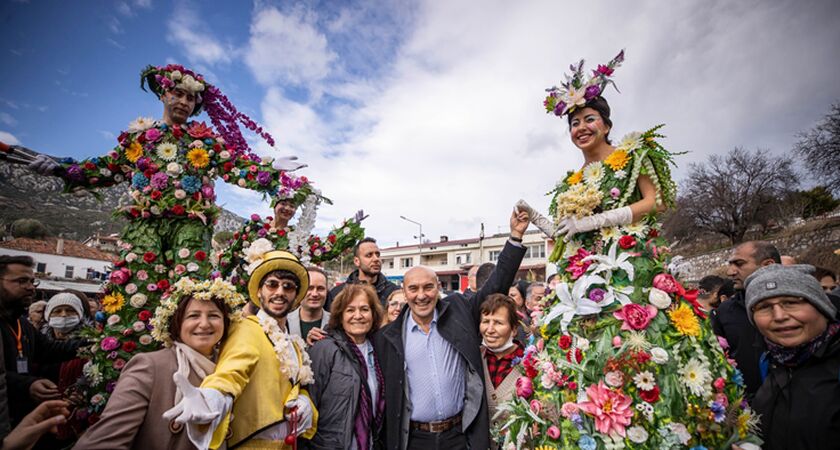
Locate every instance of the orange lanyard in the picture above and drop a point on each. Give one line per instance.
(17, 337)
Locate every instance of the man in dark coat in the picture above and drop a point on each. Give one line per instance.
(431, 359)
(368, 262)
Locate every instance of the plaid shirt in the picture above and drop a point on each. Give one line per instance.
(499, 368)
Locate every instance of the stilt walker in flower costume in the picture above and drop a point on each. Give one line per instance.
(171, 165)
(625, 357)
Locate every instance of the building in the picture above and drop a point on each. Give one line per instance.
(451, 259)
(108, 244)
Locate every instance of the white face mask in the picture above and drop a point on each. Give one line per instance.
(64, 324)
(502, 347)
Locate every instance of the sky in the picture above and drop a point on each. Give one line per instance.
(426, 109)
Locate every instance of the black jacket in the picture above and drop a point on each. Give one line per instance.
(800, 407)
(746, 344)
(338, 384)
(458, 319)
(39, 351)
(383, 289)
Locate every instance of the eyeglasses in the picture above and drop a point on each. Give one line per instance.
(24, 281)
(286, 285)
(394, 303)
(765, 309)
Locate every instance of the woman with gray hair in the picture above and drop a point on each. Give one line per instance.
(799, 399)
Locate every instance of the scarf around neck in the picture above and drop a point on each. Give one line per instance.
(796, 356)
(367, 419)
(190, 361)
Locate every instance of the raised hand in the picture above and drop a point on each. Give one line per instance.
(518, 223)
(43, 164)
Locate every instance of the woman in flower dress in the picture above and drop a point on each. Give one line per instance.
(624, 355)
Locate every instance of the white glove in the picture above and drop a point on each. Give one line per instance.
(571, 226)
(199, 406)
(304, 413)
(287, 164)
(543, 223)
(43, 164)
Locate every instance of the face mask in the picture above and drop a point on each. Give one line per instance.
(501, 348)
(64, 324)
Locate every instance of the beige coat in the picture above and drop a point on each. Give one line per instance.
(498, 395)
(133, 417)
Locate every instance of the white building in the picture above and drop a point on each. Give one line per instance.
(62, 258)
(452, 259)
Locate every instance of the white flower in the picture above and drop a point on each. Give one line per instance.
(593, 173)
(141, 124)
(646, 409)
(644, 380)
(610, 233)
(582, 344)
(130, 288)
(620, 174)
(659, 355)
(118, 178)
(571, 249)
(197, 144)
(173, 169)
(547, 381)
(614, 378)
(638, 229)
(681, 432)
(659, 298)
(167, 151)
(636, 340)
(192, 267)
(105, 172)
(575, 97)
(137, 300)
(145, 339)
(637, 434)
(611, 262)
(631, 141)
(160, 268)
(113, 319)
(696, 377)
(224, 154)
(130, 257)
(241, 182)
(92, 372)
(138, 326)
(175, 75)
(183, 253)
(257, 249)
(180, 194)
(572, 302)
(97, 399)
(155, 209)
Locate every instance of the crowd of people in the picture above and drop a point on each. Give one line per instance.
(262, 354)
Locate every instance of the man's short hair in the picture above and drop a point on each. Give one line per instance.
(6, 260)
(821, 272)
(763, 250)
(317, 269)
(281, 274)
(714, 283)
(483, 274)
(363, 241)
(531, 288)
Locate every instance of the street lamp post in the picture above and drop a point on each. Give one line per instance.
(420, 237)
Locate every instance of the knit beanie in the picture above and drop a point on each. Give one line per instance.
(776, 280)
(63, 298)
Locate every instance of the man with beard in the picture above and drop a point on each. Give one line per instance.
(368, 262)
(25, 349)
(256, 398)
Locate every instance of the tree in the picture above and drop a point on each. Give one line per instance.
(729, 195)
(28, 228)
(817, 201)
(820, 148)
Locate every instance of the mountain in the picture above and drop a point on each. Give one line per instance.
(24, 194)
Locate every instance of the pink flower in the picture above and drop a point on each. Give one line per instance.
(109, 343)
(614, 378)
(569, 409)
(614, 192)
(119, 277)
(611, 409)
(719, 384)
(524, 387)
(536, 406)
(142, 275)
(119, 363)
(616, 341)
(152, 134)
(577, 266)
(635, 317)
(151, 287)
(553, 432)
(180, 269)
(665, 282)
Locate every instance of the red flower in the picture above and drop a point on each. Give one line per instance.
(228, 166)
(156, 195)
(653, 233)
(134, 212)
(149, 172)
(178, 210)
(578, 355)
(331, 238)
(281, 233)
(90, 166)
(163, 285)
(120, 263)
(200, 255)
(627, 242)
(565, 342)
(200, 130)
(651, 396)
(144, 315)
(149, 257)
(129, 346)
(266, 225)
(176, 131)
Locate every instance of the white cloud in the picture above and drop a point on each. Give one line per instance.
(187, 31)
(114, 43)
(286, 48)
(8, 138)
(7, 119)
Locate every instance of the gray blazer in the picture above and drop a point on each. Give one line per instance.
(293, 322)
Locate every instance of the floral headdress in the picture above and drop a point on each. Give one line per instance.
(225, 117)
(199, 290)
(292, 187)
(575, 92)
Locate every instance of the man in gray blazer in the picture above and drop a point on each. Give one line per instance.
(310, 320)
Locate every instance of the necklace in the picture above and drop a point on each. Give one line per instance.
(294, 362)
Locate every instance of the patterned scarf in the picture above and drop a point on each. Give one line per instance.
(796, 356)
(365, 418)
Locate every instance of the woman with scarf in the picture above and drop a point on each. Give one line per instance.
(191, 323)
(349, 388)
(799, 399)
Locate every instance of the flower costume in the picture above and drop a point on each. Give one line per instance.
(171, 170)
(625, 356)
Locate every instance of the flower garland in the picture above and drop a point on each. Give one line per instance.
(287, 347)
(575, 92)
(203, 290)
(299, 236)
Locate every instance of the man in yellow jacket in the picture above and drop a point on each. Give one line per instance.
(256, 398)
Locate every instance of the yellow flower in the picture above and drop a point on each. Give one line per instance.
(113, 302)
(134, 152)
(546, 447)
(575, 178)
(685, 321)
(617, 159)
(198, 157)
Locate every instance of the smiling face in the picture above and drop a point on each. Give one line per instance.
(178, 105)
(496, 328)
(357, 318)
(202, 327)
(788, 321)
(284, 210)
(421, 292)
(316, 295)
(588, 129)
(395, 306)
(277, 296)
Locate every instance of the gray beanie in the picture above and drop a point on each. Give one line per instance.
(63, 298)
(776, 280)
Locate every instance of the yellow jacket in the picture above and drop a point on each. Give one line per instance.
(249, 371)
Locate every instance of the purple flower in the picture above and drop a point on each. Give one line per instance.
(152, 134)
(143, 163)
(262, 232)
(109, 343)
(207, 192)
(160, 180)
(597, 295)
(559, 108)
(263, 178)
(74, 172)
(109, 387)
(255, 217)
(591, 92)
(615, 192)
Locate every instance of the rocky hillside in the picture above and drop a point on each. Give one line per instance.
(24, 194)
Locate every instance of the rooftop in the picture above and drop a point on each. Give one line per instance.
(50, 246)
